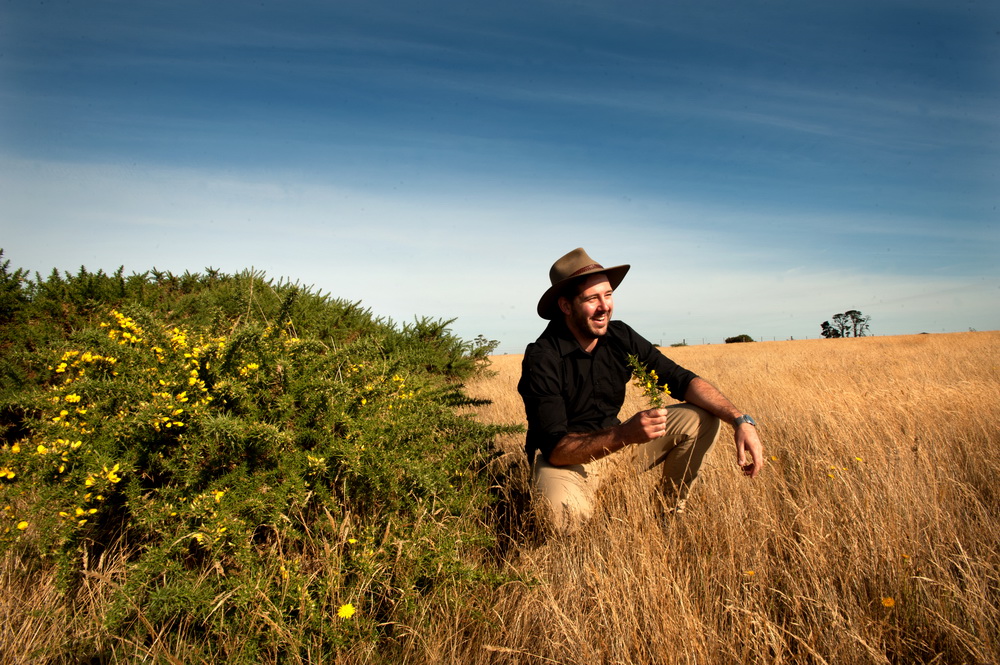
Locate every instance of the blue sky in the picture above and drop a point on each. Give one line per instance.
(762, 165)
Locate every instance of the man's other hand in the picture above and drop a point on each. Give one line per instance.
(748, 441)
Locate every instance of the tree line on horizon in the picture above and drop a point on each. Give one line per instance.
(851, 323)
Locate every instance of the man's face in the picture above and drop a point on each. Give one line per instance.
(589, 313)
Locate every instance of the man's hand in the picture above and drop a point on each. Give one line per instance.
(704, 394)
(747, 440)
(644, 426)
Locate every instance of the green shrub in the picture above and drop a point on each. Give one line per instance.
(264, 456)
(738, 339)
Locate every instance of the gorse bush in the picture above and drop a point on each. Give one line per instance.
(282, 472)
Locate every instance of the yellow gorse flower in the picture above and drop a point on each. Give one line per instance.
(112, 474)
(648, 382)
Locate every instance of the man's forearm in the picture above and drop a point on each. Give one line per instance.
(702, 393)
(583, 447)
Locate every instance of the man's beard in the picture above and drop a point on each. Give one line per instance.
(586, 326)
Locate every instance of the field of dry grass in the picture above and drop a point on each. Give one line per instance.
(872, 536)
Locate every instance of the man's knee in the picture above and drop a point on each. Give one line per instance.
(693, 421)
(565, 494)
(567, 515)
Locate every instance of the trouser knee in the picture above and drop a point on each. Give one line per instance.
(566, 493)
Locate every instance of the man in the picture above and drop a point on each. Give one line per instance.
(573, 381)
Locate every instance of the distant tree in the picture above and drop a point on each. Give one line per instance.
(859, 322)
(851, 323)
(739, 338)
(842, 323)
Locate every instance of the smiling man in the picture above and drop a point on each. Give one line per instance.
(573, 381)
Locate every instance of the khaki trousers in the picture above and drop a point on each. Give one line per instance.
(568, 491)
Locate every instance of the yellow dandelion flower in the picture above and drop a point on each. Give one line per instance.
(24, 525)
(346, 611)
(888, 601)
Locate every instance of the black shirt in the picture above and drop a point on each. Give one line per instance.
(565, 389)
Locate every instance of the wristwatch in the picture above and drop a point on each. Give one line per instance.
(744, 419)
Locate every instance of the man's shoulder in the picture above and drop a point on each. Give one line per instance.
(623, 333)
(551, 341)
(542, 349)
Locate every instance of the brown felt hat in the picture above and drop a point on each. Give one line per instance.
(572, 266)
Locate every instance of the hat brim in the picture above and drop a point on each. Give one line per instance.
(547, 305)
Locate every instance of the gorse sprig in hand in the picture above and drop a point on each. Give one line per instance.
(648, 382)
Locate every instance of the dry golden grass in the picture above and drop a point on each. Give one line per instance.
(872, 535)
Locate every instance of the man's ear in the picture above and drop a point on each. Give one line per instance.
(564, 305)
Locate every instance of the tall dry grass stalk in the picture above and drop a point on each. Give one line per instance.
(872, 536)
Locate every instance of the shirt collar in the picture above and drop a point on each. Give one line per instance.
(564, 340)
